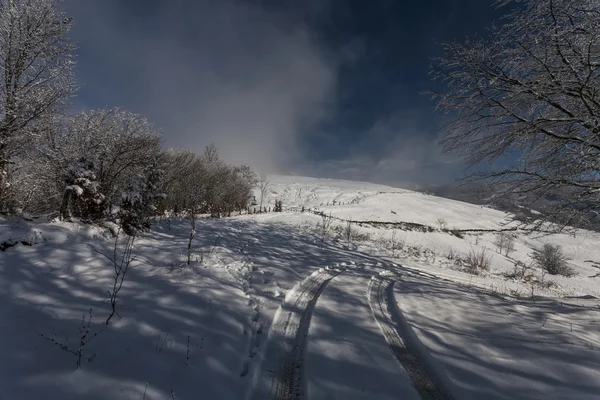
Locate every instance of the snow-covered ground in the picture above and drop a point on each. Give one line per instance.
(494, 348)
(359, 201)
(204, 330)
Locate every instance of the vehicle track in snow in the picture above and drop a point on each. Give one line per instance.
(381, 299)
(282, 372)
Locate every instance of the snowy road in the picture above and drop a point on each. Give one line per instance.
(347, 356)
(333, 338)
(404, 345)
(282, 375)
(366, 333)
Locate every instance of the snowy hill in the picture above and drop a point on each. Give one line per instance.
(375, 302)
(361, 201)
(371, 202)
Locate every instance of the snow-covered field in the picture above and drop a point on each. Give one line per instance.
(272, 306)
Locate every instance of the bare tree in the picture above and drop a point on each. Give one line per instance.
(263, 186)
(211, 153)
(195, 197)
(325, 226)
(225, 188)
(245, 180)
(121, 264)
(348, 232)
(181, 172)
(530, 92)
(505, 243)
(205, 183)
(192, 217)
(36, 66)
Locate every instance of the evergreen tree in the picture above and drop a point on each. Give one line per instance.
(82, 197)
(138, 202)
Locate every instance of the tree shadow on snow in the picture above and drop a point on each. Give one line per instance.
(500, 348)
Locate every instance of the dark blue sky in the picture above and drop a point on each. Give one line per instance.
(322, 88)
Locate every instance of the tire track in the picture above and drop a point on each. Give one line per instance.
(282, 373)
(381, 298)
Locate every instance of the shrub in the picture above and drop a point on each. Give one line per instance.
(278, 206)
(393, 244)
(415, 251)
(451, 255)
(348, 232)
(521, 271)
(345, 232)
(552, 259)
(442, 223)
(476, 263)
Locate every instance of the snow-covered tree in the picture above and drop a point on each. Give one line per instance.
(82, 197)
(530, 91)
(119, 144)
(36, 67)
(138, 203)
(122, 144)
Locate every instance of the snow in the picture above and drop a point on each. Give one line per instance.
(47, 289)
(77, 189)
(370, 202)
(484, 335)
(503, 349)
(347, 357)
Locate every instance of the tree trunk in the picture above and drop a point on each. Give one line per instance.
(192, 233)
(4, 179)
(65, 210)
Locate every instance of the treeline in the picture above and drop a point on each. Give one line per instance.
(204, 184)
(97, 164)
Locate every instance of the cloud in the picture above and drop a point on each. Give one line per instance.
(252, 79)
(397, 151)
(248, 78)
